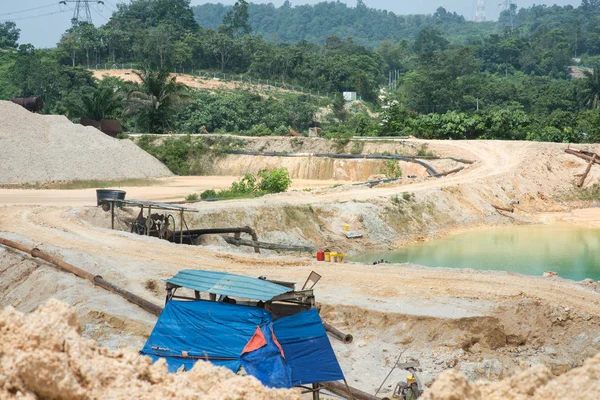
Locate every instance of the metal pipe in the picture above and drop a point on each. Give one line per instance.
(344, 337)
(341, 389)
(264, 245)
(95, 279)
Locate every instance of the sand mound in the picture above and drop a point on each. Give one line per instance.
(535, 383)
(49, 148)
(43, 356)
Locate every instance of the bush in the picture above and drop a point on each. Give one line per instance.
(246, 185)
(178, 154)
(192, 197)
(271, 181)
(209, 194)
(274, 181)
(392, 169)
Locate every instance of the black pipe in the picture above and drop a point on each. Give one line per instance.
(430, 170)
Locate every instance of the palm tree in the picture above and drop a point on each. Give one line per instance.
(98, 104)
(590, 93)
(155, 99)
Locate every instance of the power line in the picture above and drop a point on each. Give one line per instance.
(34, 16)
(29, 9)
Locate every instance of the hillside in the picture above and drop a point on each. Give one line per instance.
(367, 26)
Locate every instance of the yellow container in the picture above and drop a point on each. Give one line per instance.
(346, 227)
(333, 256)
(341, 257)
(327, 256)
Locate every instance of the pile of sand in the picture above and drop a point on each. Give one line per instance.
(48, 148)
(43, 356)
(535, 383)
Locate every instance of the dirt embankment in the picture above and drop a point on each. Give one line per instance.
(536, 383)
(43, 356)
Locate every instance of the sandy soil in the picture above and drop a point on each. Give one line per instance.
(166, 189)
(485, 324)
(195, 82)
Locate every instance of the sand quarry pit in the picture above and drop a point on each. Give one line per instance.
(494, 326)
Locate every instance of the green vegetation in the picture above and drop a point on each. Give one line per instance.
(268, 181)
(192, 197)
(368, 26)
(180, 155)
(246, 113)
(590, 193)
(444, 77)
(274, 181)
(392, 169)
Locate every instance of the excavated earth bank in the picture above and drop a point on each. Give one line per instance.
(43, 356)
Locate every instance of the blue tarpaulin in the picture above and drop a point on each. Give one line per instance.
(307, 348)
(266, 360)
(188, 331)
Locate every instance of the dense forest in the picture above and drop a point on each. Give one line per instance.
(367, 26)
(435, 76)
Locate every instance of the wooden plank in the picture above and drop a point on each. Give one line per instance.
(582, 155)
(587, 171)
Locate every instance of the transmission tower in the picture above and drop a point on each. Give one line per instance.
(81, 12)
(510, 8)
(480, 11)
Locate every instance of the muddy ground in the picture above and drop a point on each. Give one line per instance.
(485, 324)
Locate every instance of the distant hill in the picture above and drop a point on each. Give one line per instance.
(367, 26)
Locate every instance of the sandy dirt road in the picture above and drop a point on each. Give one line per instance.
(166, 189)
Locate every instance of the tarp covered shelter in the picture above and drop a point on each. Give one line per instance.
(289, 351)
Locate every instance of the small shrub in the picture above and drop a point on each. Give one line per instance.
(192, 197)
(246, 185)
(589, 193)
(123, 135)
(259, 130)
(424, 151)
(274, 181)
(357, 147)
(208, 194)
(395, 199)
(392, 169)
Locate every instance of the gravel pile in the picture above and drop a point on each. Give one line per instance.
(49, 148)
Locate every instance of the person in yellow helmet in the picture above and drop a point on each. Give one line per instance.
(412, 389)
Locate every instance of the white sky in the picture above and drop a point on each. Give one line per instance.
(47, 20)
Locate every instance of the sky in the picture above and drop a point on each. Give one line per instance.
(45, 20)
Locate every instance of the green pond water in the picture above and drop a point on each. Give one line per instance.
(573, 252)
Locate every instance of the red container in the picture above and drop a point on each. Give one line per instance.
(320, 256)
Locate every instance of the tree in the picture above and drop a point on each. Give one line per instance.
(9, 34)
(235, 22)
(154, 100)
(159, 42)
(429, 41)
(95, 103)
(590, 92)
(221, 46)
